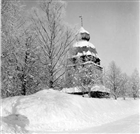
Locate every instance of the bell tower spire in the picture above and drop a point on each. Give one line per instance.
(81, 20)
(84, 35)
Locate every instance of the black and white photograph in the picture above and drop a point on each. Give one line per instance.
(69, 66)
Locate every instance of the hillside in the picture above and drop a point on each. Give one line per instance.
(53, 111)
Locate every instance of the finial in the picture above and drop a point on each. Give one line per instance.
(81, 21)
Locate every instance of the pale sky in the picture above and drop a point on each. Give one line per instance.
(113, 26)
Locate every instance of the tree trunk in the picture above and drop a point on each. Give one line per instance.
(24, 74)
(51, 84)
(82, 93)
(89, 92)
(115, 93)
(51, 81)
(89, 95)
(134, 96)
(115, 97)
(23, 92)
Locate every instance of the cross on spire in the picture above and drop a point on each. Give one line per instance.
(81, 21)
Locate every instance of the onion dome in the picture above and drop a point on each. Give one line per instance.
(84, 35)
(83, 46)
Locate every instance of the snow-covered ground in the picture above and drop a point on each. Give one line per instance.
(126, 125)
(50, 111)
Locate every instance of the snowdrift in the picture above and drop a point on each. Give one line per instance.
(50, 111)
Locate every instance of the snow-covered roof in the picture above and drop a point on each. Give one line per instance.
(100, 88)
(82, 30)
(88, 53)
(71, 90)
(84, 53)
(78, 89)
(78, 54)
(83, 43)
(97, 56)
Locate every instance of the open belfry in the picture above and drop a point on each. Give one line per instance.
(83, 54)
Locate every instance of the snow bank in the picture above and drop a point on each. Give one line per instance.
(50, 110)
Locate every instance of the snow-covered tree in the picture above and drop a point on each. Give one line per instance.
(135, 84)
(10, 17)
(113, 79)
(55, 38)
(124, 85)
(27, 67)
(19, 52)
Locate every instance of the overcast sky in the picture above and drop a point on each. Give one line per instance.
(113, 27)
